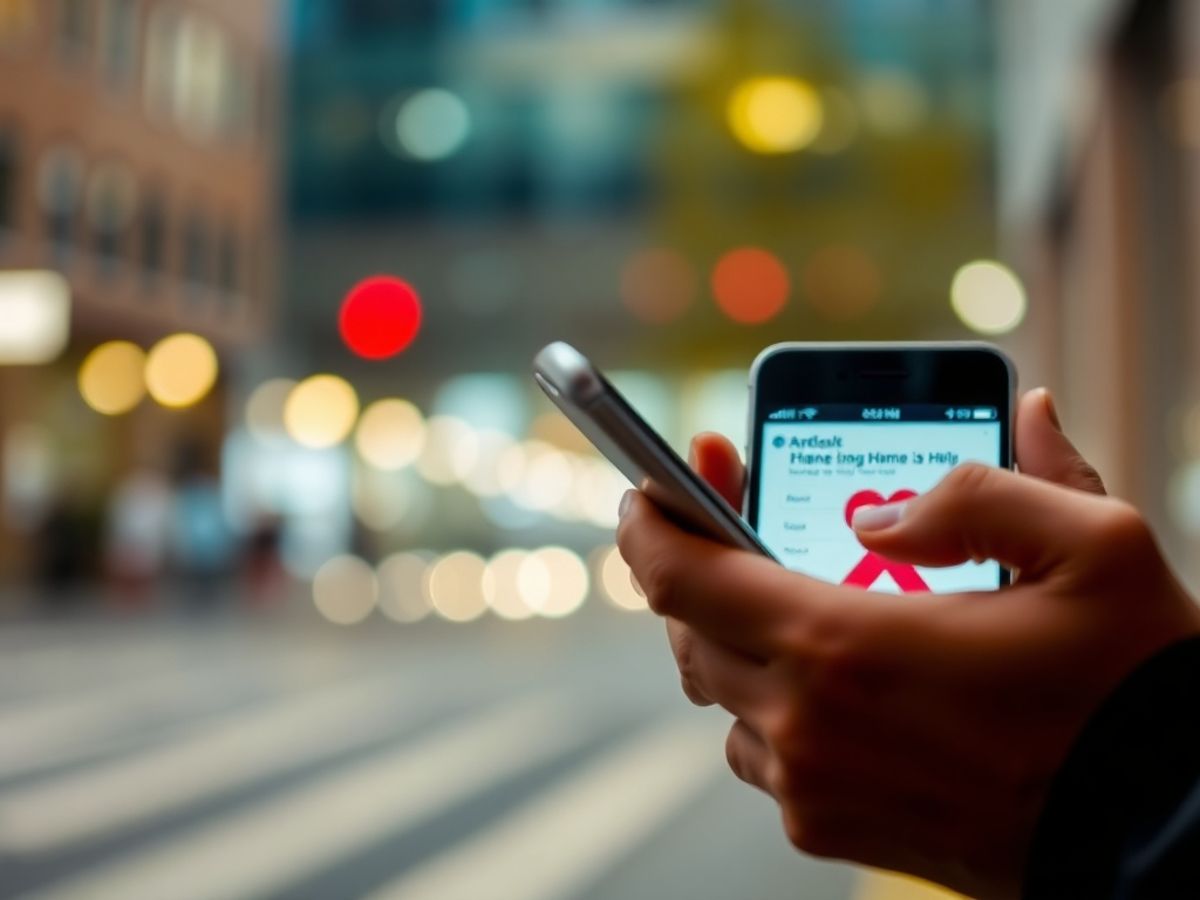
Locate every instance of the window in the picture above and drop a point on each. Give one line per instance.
(60, 195)
(158, 85)
(74, 27)
(201, 77)
(111, 206)
(197, 251)
(8, 177)
(118, 28)
(152, 238)
(228, 263)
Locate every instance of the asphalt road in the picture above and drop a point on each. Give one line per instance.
(174, 758)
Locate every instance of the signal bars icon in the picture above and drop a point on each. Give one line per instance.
(790, 415)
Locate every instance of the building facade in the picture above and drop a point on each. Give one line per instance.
(138, 160)
(1099, 152)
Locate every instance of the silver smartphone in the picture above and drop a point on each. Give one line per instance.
(607, 420)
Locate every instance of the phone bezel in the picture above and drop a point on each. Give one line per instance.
(970, 373)
(618, 431)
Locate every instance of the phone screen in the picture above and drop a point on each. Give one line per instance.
(817, 464)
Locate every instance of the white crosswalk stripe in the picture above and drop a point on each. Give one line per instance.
(226, 755)
(278, 843)
(565, 838)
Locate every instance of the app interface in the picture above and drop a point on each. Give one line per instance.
(818, 464)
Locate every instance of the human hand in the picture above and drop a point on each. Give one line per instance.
(919, 734)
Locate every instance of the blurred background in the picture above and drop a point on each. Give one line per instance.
(304, 589)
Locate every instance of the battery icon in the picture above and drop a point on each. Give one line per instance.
(984, 412)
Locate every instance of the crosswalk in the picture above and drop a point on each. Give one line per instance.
(176, 763)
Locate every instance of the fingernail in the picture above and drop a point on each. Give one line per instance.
(692, 454)
(877, 518)
(1050, 410)
(626, 500)
(637, 588)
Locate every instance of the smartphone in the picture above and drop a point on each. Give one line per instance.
(837, 426)
(607, 420)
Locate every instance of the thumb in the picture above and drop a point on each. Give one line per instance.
(1043, 451)
(717, 461)
(980, 513)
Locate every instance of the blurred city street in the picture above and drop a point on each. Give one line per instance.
(307, 591)
(234, 757)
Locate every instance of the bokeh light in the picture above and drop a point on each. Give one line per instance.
(432, 124)
(454, 585)
(501, 587)
(842, 283)
(35, 307)
(180, 370)
(658, 285)
(988, 297)
(840, 125)
(487, 478)
(390, 434)
(345, 590)
(615, 579)
(320, 411)
(750, 285)
(553, 581)
(894, 102)
(775, 114)
(450, 452)
(402, 596)
(545, 479)
(264, 408)
(380, 317)
(384, 500)
(112, 377)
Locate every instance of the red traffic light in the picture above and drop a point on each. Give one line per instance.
(380, 317)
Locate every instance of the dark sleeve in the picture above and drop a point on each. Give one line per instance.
(1122, 819)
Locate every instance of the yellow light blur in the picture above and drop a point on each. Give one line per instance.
(616, 581)
(775, 115)
(553, 582)
(487, 477)
(112, 377)
(501, 588)
(402, 595)
(320, 411)
(454, 585)
(180, 370)
(450, 452)
(988, 297)
(345, 590)
(381, 500)
(390, 434)
(264, 408)
(599, 489)
(546, 478)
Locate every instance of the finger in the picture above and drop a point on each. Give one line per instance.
(680, 638)
(739, 598)
(1043, 451)
(717, 460)
(716, 674)
(748, 756)
(978, 513)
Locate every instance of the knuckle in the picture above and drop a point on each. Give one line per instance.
(1122, 530)
(659, 577)
(967, 480)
